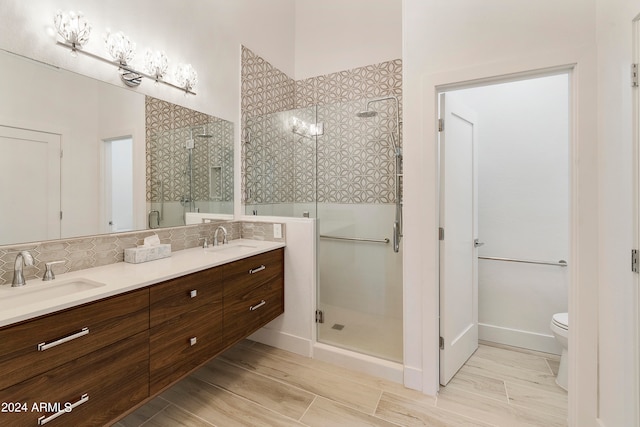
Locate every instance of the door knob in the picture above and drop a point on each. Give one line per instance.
(477, 243)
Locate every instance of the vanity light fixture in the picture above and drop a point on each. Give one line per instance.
(75, 30)
(186, 76)
(123, 50)
(156, 64)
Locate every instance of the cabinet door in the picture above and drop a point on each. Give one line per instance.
(183, 343)
(253, 294)
(36, 346)
(177, 296)
(97, 388)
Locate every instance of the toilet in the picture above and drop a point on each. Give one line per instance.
(560, 329)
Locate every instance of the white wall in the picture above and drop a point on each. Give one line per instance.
(295, 329)
(523, 207)
(336, 35)
(618, 294)
(43, 98)
(206, 34)
(460, 41)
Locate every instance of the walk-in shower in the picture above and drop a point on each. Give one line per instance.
(328, 163)
(189, 169)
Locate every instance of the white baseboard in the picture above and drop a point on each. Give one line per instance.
(518, 338)
(277, 339)
(413, 378)
(391, 371)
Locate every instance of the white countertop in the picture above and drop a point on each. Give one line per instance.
(120, 277)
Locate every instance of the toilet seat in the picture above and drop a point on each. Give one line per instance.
(561, 320)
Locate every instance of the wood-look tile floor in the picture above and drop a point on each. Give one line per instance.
(257, 385)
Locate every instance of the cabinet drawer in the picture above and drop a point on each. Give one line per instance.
(246, 274)
(33, 347)
(103, 384)
(177, 296)
(173, 354)
(246, 312)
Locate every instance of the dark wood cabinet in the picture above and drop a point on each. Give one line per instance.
(103, 359)
(36, 346)
(186, 325)
(253, 294)
(88, 390)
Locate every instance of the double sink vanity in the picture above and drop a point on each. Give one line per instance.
(91, 345)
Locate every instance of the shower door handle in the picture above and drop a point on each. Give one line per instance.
(477, 243)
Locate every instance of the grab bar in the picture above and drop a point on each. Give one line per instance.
(356, 239)
(561, 263)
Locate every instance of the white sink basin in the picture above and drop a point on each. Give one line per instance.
(35, 291)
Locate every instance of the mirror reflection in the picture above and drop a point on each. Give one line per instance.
(82, 157)
(189, 164)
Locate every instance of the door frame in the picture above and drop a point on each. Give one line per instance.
(421, 358)
(635, 99)
(570, 70)
(446, 90)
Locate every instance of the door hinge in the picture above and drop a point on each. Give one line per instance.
(634, 260)
(319, 316)
(440, 233)
(60, 214)
(61, 153)
(440, 125)
(634, 75)
(441, 343)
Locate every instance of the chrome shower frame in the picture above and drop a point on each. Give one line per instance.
(397, 224)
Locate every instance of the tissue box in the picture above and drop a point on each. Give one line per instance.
(144, 254)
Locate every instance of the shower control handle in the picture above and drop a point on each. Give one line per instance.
(477, 243)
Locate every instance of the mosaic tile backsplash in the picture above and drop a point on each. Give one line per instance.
(94, 251)
(354, 161)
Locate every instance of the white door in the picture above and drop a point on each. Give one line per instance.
(117, 179)
(29, 185)
(459, 224)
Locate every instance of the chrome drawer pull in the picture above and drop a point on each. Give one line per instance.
(193, 341)
(44, 346)
(193, 293)
(67, 408)
(255, 270)
(257, 306)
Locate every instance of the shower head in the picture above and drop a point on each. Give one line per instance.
(202, 134)
(367, 113)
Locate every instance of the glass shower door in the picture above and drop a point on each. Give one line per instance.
(360, 289)
(280, 164)
(330, 163)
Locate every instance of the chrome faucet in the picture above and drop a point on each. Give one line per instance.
(23, 258)
(49, 274)
(224, 237)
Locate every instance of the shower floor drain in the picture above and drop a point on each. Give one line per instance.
(337, 326)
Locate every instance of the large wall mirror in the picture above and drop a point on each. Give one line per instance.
(82, 157)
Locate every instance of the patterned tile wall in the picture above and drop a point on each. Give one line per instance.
(94, 251)
(168, 127)
(264, 90)
(279, 163)
(355, 156)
